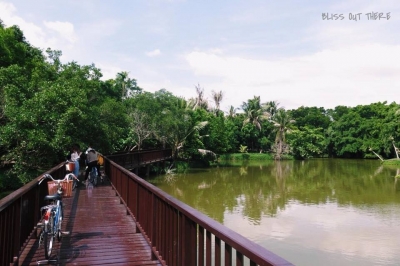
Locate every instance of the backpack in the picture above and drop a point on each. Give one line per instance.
(100, 159)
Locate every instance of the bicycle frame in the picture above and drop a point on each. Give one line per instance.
(52, 227)
(52, 217)
(53, 212)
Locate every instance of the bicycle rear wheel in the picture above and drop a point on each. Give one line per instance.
(93, 177)
(48, 237)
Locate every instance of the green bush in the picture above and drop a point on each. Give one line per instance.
(181, 166)
(245, 156)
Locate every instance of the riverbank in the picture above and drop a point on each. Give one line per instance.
(394, 161)
(250, 157)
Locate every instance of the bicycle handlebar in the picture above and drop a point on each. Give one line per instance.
(45, 176)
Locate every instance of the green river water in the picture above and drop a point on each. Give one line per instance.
(314, 212)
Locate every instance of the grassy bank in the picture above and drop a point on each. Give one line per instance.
(394, 161)
(249, 157)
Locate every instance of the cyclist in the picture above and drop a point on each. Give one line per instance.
(98, 163)
(91, 161)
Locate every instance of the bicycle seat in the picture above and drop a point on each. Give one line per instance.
(53, 197)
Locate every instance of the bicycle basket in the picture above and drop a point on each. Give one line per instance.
(70, 166)
(66, 187)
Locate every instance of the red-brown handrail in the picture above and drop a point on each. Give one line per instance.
(19, 211)
(135, 159)
(19, 214)
(179, 234)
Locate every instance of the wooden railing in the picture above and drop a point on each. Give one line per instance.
(131, 160)
(179, 234)
(19, 214)
(19, 211)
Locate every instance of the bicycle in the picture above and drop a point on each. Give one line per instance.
(93, 177)
(53, 213)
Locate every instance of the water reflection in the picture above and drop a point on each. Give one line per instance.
(316, 212)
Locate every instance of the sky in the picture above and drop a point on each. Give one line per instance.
(297, 53)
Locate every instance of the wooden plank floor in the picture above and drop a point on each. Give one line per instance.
(101, 233)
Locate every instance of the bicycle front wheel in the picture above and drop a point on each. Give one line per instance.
(48, 237)
(60, 218)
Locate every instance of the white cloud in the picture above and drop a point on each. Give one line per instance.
(342, 76)
(153, 53)
(109, 71)
(56, 35)
(311, 62)
(32, 32)
(64, 29)
(6, 11)
(101, 28)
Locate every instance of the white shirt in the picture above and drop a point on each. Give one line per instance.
(74, 156)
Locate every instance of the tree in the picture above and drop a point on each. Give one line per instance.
(217, 97)
(176, 132)
(282, 122)
(14, 49)
(200, 101)
(357, 130)
(54, 58)
(141, 127)
(173, 118)
(46, 106)
(254, 114)
(311, 117)
(232, 111)
(126, 85)
(217, 134)
(112, 118)
(307, 142)
(271, 107)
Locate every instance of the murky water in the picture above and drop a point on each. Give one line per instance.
(315, 212)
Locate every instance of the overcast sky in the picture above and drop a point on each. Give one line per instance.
(279, 50)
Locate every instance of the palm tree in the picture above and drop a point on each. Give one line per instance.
(232, 111)
(175, 128)
(200, 101)
(126, 84)
(271, 107)
(178, 140)
(217, 97)
(254, 112)
(282, 122)
(183, 104)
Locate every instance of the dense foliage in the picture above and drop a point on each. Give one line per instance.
(46, 106)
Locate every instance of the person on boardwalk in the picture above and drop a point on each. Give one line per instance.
(74, 157)
(91, 161)
(98, 164)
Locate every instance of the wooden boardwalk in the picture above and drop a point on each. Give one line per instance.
(101, 233)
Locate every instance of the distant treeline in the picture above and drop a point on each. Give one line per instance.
(46, 106)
